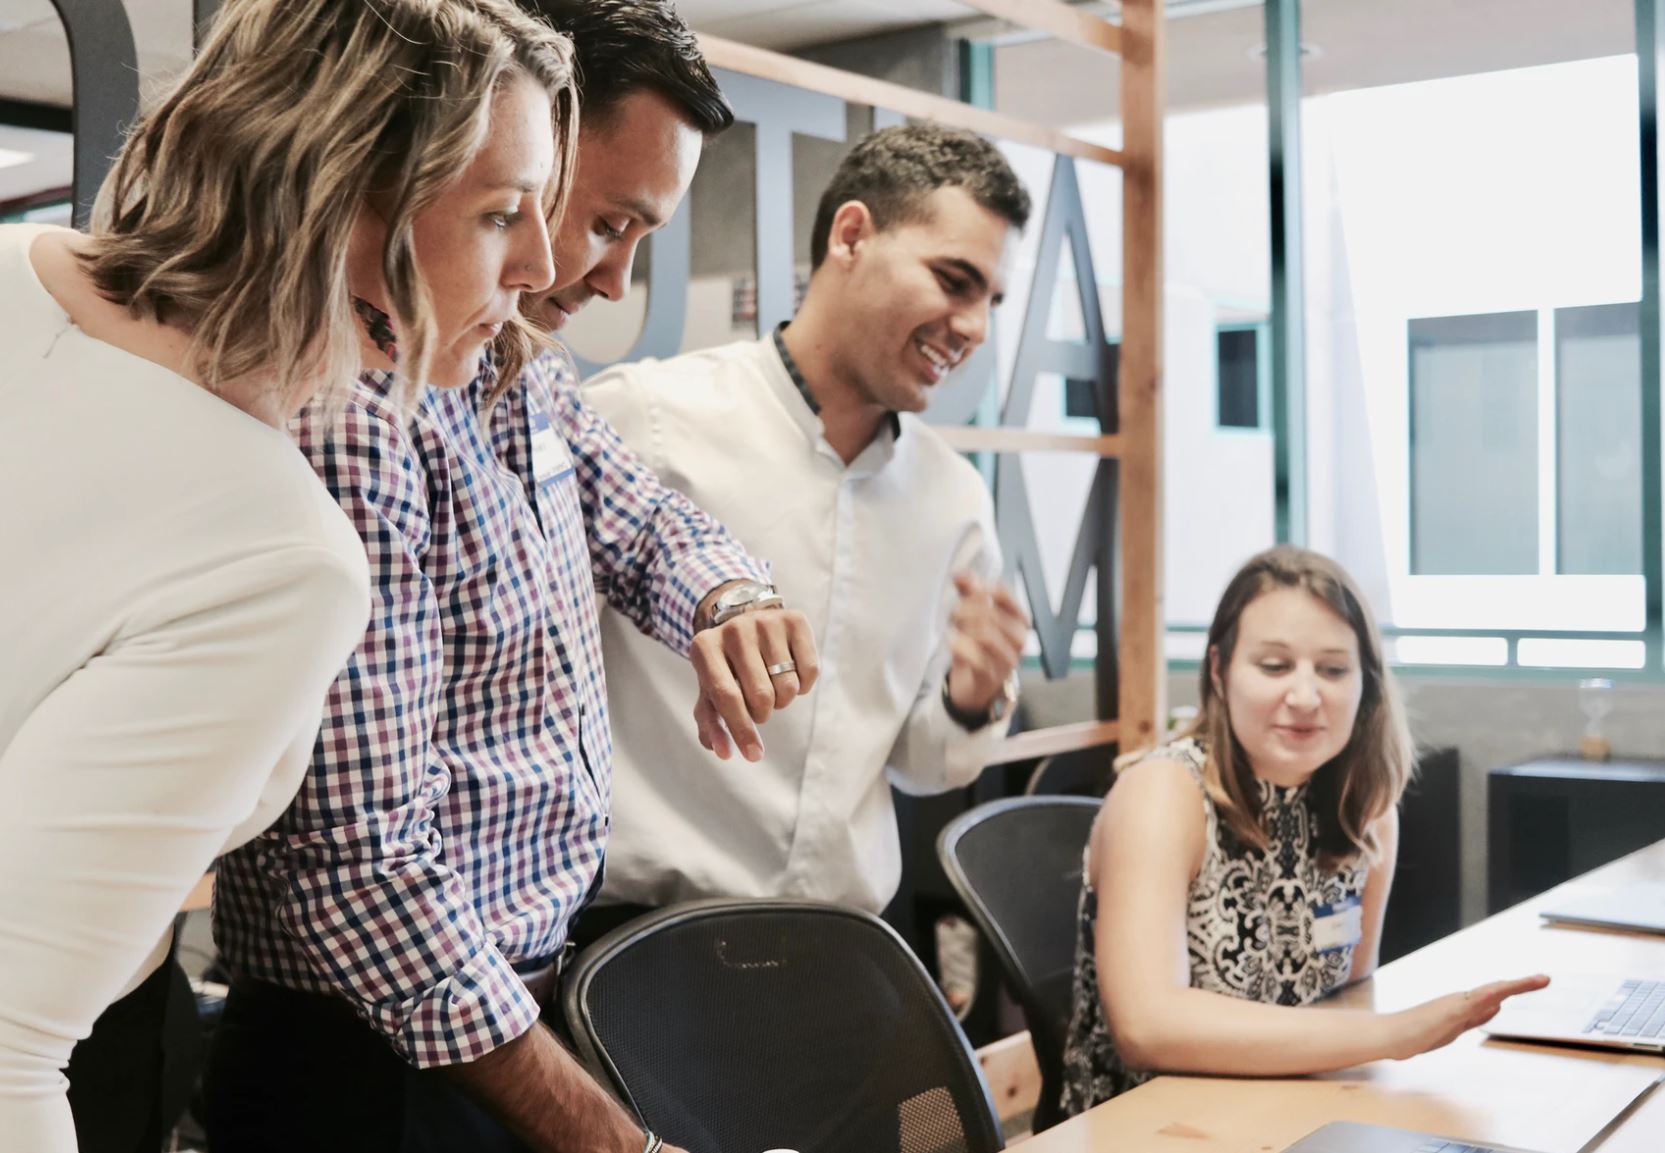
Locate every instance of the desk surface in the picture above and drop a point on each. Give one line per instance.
(201, 895)
(1539, 1097)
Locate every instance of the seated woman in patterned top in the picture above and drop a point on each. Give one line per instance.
(1240, 872)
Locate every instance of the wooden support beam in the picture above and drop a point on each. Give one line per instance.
(1142, 687)
(1059, 21)
(970, 438)
(1056, 739)
(790, 70)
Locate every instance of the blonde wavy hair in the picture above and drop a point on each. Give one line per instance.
(229, 209)
(1363, 781)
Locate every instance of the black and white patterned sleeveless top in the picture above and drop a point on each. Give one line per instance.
(1248, 929)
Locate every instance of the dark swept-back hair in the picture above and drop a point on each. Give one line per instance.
(627, 45)
(1363, 781)
(893, 170)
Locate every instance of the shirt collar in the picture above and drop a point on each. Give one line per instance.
(802, 385)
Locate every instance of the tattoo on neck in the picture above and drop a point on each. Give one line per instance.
(379, 326)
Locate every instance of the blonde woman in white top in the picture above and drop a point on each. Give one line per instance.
(180, 590)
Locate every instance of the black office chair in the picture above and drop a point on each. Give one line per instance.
(742, 1026)
(1077, 773)
(1017, 865)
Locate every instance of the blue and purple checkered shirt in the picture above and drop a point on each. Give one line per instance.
(455, 813)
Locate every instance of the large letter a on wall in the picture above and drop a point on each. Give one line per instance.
(1087, 360)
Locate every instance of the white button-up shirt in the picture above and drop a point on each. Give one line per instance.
(867, 551)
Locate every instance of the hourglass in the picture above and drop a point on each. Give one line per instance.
(1595, 701)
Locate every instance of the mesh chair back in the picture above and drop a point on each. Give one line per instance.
(737, 1027)
(1017, 865)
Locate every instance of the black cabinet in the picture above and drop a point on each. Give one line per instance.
(1551, 819)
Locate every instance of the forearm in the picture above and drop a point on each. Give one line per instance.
(539, 1090)
(1194, 1031)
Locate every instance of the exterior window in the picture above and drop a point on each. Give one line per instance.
(1237, 360)
(1598, 371)
(1474, 444)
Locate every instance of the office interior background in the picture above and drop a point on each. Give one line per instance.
(1461, 420)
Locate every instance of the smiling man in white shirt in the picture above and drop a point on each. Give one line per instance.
(805, 445)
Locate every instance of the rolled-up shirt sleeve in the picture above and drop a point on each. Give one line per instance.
(364, 890)
(656, 554)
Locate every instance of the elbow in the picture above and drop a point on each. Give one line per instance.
(1139, 1047)
(1140, 1040)
(1148, 1033)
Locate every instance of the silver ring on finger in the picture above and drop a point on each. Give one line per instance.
(783, 667)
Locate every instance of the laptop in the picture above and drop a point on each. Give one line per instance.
(1350, 1137)
(1609, 1012)
(1639, 907)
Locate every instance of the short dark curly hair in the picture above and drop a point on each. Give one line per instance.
(893, 170)
(624, 46)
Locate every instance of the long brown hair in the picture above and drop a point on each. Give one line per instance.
(1367, 777)
(229, 209)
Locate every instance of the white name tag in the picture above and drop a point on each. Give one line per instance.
(550, 459)
(1337, 926)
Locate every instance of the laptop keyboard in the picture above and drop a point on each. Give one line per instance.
(1636, 1010)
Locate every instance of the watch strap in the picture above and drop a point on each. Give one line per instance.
(972, 722)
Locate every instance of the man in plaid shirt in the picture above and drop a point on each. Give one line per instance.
(394, 938)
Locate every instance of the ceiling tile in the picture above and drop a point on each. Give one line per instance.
(816, 23)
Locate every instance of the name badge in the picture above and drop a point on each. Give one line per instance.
(1338, 926)
(551, 462)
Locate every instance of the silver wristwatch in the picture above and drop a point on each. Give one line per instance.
(742, 597)
(997, 710)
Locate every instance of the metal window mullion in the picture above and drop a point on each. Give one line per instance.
(976, 59)
(1648, 45)
(1548, 441)
(1288, 327)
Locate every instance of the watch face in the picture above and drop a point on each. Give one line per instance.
(1002, 704)
(742, 598)
(740, 595)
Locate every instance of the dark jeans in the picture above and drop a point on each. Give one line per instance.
(291, 1072)
(116, 1074)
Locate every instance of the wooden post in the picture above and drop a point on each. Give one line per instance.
(1143, 689)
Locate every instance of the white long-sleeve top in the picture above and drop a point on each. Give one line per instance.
(178, 593)
(867, 552)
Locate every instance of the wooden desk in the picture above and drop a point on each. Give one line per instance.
(1540, 1097)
